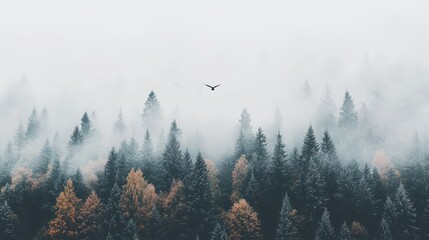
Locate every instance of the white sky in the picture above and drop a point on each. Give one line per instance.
(92, 54)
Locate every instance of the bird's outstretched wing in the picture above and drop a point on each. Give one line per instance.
(217, 86)
(208, 85)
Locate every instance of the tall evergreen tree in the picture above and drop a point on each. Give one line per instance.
(326, 230)
(385, 230)
(85, 125)
(7, 164)
(247, 133)
(201, 200)
(348, 115)
(280, 173)
(254, 193)
(259, 159)
(108, 177)
(345, 233)
(219, 233)
(405, 214)
(76, 138)
(172, 158)
(310, 148)
(8, 222)
(326, 112)
(81, 190)
(44, 159)
(286, 229)
(33, 126)
(152, 113)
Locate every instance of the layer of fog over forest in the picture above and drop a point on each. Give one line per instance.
(103, 57)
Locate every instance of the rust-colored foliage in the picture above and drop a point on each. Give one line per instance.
(212, 176)
(174, 209)
(243, 222)
(358, 230)
(239, 175)
(138, 198)
(64, 226)
(90, 218)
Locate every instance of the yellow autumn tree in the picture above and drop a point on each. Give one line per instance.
(243, 222)
(239, 175)
(138, 199)
(64, 226)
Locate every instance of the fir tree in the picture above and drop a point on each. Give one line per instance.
(8, 222)
(254, 193)
(310, 147)
(385, 230)
(405, 213)
(286, 229)
(76, 138)
(201, 200)
(348, 115)
(44, 159)
(219, 233)
(260, 157)
(172, 158)
(33, 126)
(64, 226)
(121, 170)
(152, 113)
(148, 163)
(7, 164)
(80, 187)
(325, 230)
(85, 125)
(345, 233)
(279, 174)
(247, 137)
(108, 178)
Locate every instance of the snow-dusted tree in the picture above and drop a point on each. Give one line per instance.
(326, 230)
(345, 233)
(348, 116)
(219, 233)
(286, 229)
(243, 222)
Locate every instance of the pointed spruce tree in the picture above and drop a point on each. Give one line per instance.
(286, 229)
(8, 222)
(33, 126)
(85, 125)
(201, 200)
(348, 116)
(219, 233)
(44, 159)
(326, 230)
(108, 177)
(172, 158)
(345, 233)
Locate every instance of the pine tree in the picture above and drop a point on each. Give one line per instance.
(120, 127)
(348, 115)
(154, 227)
(243, 222)
(254, 193)
(201, 200)
(33, 126)
(121, 169)
(85, 125)
(345, 233)
(80, 187)
(259, 159)
(148, 163)
(247, 133)
(286, 229)
(108, 178)
(405, 213)
(112, 206)
(172, 158)
(310, 148)
(64, 226)
(152, 113)
(76, 138)
(90, 219)
(279, 174)
(44, 159)
(385, 230)
(8, 222)
(54, 183)
(325, 230)
(7, 164)
(219, 233)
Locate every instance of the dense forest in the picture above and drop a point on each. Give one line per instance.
(327, 188)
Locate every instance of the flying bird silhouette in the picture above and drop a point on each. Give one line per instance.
(213, 88)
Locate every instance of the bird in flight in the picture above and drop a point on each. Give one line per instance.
(213, 88)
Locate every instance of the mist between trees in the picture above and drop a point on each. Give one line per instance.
(339, 182)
